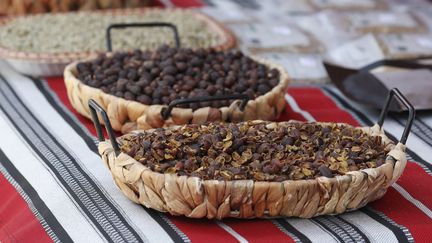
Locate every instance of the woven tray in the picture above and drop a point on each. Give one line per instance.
(128, 115)
(197, 198)
(53, 64)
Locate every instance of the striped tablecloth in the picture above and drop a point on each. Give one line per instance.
(54, 186)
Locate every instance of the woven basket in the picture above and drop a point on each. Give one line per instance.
(53, 64)
(197, 198)
(128, 115)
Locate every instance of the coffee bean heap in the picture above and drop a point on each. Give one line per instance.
(167, 74)
(257, 150)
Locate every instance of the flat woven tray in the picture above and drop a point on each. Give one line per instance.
(53, 64)
(128, 115)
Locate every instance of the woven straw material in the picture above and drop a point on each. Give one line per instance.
(197, 198)
(127, 115)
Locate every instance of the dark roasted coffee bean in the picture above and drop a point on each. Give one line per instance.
(129, 96)
(169, 79)
(148, 90)
(144, 99)
(165, 100)
(181, 66)
(325, 171)
(169, 70)
(132, 75)
(121, 84)
(135, 89)
(211, 89)
(263, 88)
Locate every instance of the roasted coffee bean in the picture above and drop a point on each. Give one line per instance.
(251, 150)
(263, 88)
(181, 66)
(325, 171)
(144, 99)
(135, 89)
(129, 96)
(109, 81)
(169, 70)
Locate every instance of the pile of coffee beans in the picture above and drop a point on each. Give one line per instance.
(257, 150)
(167, 74)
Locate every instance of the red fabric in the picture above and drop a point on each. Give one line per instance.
(187, 3)
(17, 222)
(202, 230)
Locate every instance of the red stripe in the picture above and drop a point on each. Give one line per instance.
(17, 222)
(187, 3)
(395, 206)
(258, 230)
(419, 186)
(202, 230)
(320, 106)
(414, 179)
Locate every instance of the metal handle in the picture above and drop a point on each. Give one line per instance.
(244, 97)
(406, 103)
(136, 25)
(94, 108)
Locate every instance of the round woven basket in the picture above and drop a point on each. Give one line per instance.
(197, 198)
(128, 115)
(53, 64)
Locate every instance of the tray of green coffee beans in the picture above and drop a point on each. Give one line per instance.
(43, 44)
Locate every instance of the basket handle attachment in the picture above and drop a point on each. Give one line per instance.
(94, 109)
(411, 112)
(139, 25)
(167, 111)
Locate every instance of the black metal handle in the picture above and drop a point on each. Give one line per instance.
(244, 97)
(137, 25)
(406, 103)
(94, 109)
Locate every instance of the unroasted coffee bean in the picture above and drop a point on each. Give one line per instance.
(184, 72)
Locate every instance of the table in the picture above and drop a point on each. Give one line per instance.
(54, 186)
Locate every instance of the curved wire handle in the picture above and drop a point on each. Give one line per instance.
(138, 25)
(94, 109)
(411, 112)
(244, 97)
